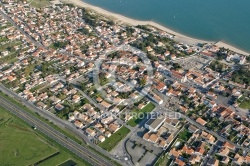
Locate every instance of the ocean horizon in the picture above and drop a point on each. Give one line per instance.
(224, 20)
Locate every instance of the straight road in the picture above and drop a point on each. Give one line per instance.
(51, 117)
(60, 138)
(21, 30)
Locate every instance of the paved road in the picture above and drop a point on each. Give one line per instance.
(36, 43)
(51, 117)
(63, 123)
(21, 30)
(214, 133)
(47, 114)
(68, 143)
(210, 153)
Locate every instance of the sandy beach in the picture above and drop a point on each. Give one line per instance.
(178, 36)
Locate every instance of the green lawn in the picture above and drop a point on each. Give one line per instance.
(64, 154)
(245, 104)
(39, 3)
(113, 140)
(58, 159)
(185, 135)
(65, 131)
(20, 145)
(163, 160)
(136, 120)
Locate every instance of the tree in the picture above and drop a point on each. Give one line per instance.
(143, 82)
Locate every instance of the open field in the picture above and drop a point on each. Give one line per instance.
(113, 140)
(20, 145)
(58, 159)
(135, 120)
(64, 154)
(68, 133)
(245, 104)
(39, 3)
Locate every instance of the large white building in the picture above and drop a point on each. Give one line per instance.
(154, 123)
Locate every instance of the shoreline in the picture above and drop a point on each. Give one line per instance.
(178, 36)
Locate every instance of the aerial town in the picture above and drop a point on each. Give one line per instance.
(131, 91)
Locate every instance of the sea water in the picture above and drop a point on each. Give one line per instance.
(213, 20)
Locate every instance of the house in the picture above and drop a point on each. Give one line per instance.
(172, 56)
(228, 145)
(117, 100)
(201, 149)
(146, 136)
(172, 122)
(101, 138)
(173, 92)
(76, 99)
(113, 127)
(187, 150)
(162, 143)
(160, 86)
(208, 137)
(183, 109)
(192, 129)
(153, 138)
(11, 78)
(102, 130)
(90, 132)
(41, 105)
(247, 159)
(54, 99)
(213, 162)
(170, 138)
(127, 117)
(179, 162)
(178, 76)
(42, 96)
(107, 120)
(194, 159)
(141, 106)
(32, 99)
(211, 94)
(114, 94)
(78, 124)
(59, 107)
(83, 117)
(225, 160)
(167, 53)
(99, 99)
(201, 121)
(105, 104)
(149, 49)
(157, 98)
(212, 104)
(223, 151)
(238, 159)
(107, 134)
(173, 153)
